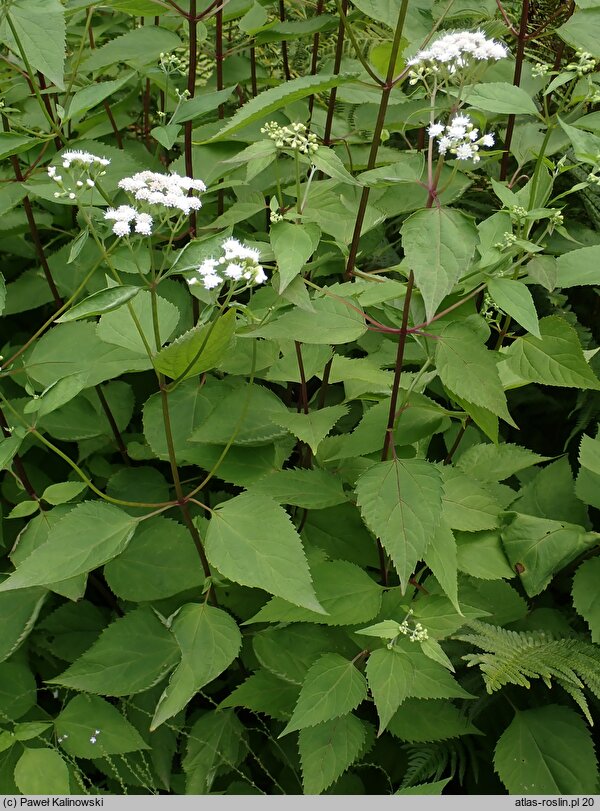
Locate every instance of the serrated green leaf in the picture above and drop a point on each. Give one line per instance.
(537, 548)
(514, 298)
(546, 750)
(313, 427)
(63, 492)
(119, 327)
(71, 629)
(430, 679)
(333, 687)
(277, 97)
(501, 97)
(40, 28)
(12, 144)
(9, 448)
(138, 47)
(551, 494)
(34, 536)
(587, 486)
(252, 541)
(555, 359)
(586, 597)
(216, 742)
(578, 267)
(390, 676)
(469, 370)
(27, 730)
(246, 415)
(401, 503)
(289, 651)
(332, 322)
(467, 505)
(56, 395)
(18, 614)
(481, 554)
(387, 629)
(327, 750)
(90, 727)
(441, 557)
(419, 720)
(344, 590)
(88, 97)
(200, 105)
(292, 247)
(494, 463)
(88, 536)
(42, 771)
(434, 651)
(104, 301)
(75, 349)
(166, 134)
(209, 640)
(328, 162)
(424, 789)
(159, 561)
(581, 31)
(264, 692)
(24, 509)
(18, 690)
(438, 245)
(198, 350)
(312, 489)
(121, 662)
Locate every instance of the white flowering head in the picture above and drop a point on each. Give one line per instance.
(170, 191)
(294, 136)
(460, 138)
(239, 264)
(454, 53)
(124, 217)
(80, 171)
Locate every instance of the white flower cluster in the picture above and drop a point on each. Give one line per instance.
(540, 69)
(455, 51)
(94, 737)
(585, 63)
(508, 240)
(460, 138)
(415, 634)
(123, 216)
(83, 169)
(170, 191)
(240, 263)
(296, 136)
(171, 63)
(83, 158)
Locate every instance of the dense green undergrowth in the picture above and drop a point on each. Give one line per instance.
(299, 397)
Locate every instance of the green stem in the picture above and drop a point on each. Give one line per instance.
(383, 105)
(356, 45)
(117, 278)
(298, 190)
(236, 430)
(34, 432)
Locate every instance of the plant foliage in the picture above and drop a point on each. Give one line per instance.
(299, 388)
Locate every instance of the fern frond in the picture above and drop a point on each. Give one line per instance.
(428, 762)
(514, 657)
